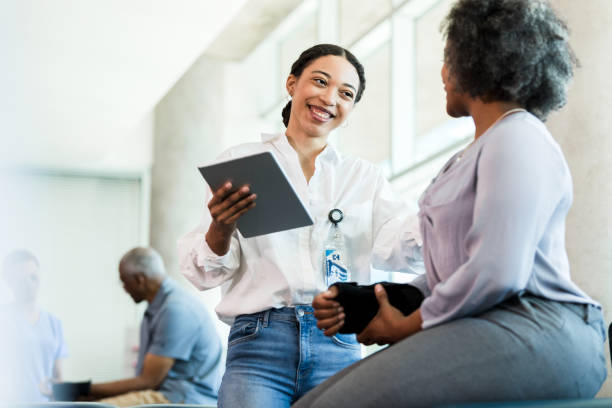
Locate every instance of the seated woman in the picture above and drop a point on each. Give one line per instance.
(501, 318)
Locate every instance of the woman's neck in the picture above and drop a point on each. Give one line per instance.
(485, 114)
(307, 149)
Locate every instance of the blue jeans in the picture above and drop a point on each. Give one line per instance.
(276, 356)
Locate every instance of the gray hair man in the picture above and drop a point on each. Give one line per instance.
(179, 358)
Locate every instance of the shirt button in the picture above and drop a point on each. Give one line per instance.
(300, 312)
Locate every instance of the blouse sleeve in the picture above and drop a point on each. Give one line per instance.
(520, 178)
(396, 236)
(199, 264)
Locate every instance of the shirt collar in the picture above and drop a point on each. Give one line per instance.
(160, 296)
(280, 141)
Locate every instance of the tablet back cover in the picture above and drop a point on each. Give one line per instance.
(278, 206)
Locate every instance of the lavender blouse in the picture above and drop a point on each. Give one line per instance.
(493, 224)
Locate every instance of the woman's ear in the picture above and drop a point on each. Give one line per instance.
(290, 85)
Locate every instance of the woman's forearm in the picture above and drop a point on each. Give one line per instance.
(410, 325)
(219, 238)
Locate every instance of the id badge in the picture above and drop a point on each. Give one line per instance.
(335, 267)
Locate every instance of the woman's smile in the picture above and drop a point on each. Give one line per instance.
(320, 114)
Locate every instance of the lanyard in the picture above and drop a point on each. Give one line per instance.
(335, 265)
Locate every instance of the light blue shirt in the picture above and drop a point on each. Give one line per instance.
(493, 224)
(28, 355)
(176, 325)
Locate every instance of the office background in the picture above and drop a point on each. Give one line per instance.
(107, 108)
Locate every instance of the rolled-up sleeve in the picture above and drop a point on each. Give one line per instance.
(520, 180)
(199, 264)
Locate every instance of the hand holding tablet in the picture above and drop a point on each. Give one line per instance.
(278, 207)
(229, 203)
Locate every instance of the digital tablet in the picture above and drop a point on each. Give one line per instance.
(278, 207)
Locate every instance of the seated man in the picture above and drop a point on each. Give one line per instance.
(32, 340)
(179, 358)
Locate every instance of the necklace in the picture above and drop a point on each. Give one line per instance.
(503, 115)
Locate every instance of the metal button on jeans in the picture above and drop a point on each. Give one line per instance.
(300, 312)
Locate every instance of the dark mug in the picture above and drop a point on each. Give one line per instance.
(70, 391)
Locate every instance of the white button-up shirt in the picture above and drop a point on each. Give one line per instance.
(286, 268)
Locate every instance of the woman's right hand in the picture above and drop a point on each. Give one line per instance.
(329, 313)
(225, 208)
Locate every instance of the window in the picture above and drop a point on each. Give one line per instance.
(367, 134)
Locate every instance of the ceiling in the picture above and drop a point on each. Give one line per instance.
(81, 74)
(252, 24)
(82, 77)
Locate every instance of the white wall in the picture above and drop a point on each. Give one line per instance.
(125, 151)
(583, 130)
(79, 75)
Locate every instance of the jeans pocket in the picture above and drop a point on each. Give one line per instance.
(346, 340)
(244, 329)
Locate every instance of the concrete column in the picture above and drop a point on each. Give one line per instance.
(583, 130)
(189, 123)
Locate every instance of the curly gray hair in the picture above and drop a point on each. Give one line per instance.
(510, 50)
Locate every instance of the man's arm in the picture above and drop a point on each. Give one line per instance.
(154, 370)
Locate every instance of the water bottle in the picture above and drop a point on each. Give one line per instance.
(336, 265)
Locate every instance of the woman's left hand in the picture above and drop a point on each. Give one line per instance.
(385, 327)
(329, 313)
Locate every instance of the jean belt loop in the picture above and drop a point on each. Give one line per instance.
(594, 317)
(588, 314)
(265, 317)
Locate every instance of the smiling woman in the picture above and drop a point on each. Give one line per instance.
(325, 93)
(322, 98)
(348, 84)
(276, 353)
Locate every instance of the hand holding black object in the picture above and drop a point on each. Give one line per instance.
(329, 313)
(386, 326)
(360, 305)
(71, 391)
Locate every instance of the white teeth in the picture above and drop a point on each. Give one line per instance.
(320, 114)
